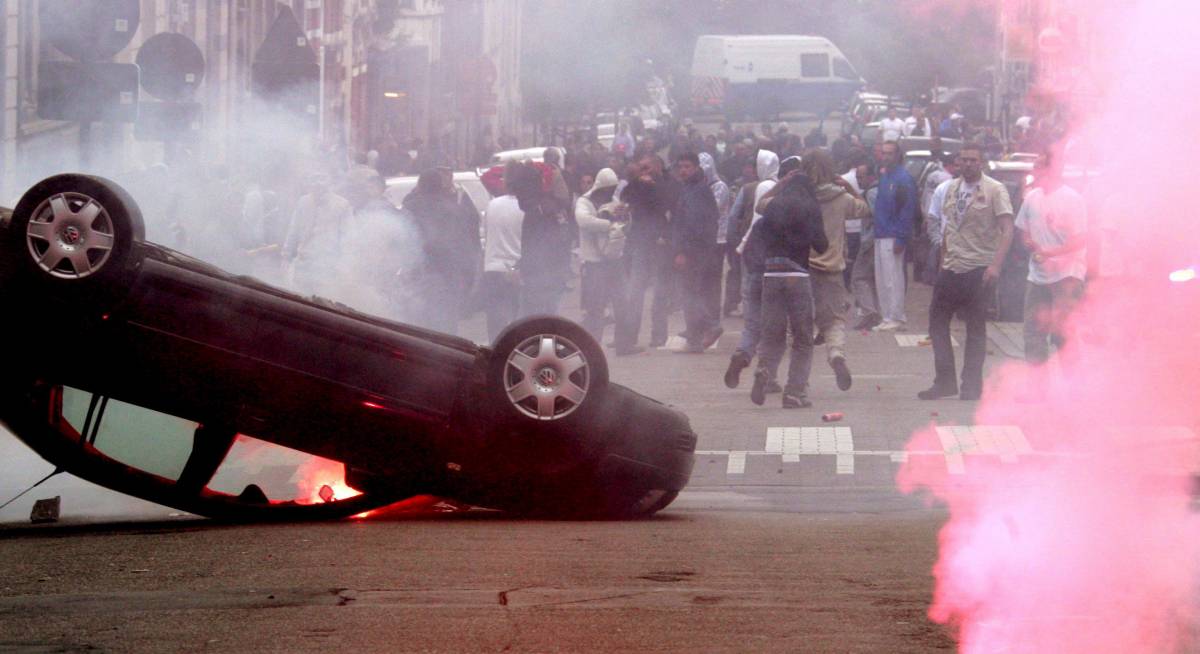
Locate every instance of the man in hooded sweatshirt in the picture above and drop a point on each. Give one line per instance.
(720, 192)
(751, 252)
(694, 239)
(839, 204)
(650, 195)
(596, 214)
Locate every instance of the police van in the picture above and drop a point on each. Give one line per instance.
(764, 76)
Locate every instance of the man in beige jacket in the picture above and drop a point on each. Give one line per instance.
(839, 203)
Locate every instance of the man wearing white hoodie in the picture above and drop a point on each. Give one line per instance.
(598, 216)
(753, 265)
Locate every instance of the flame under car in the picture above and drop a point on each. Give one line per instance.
(105, 322)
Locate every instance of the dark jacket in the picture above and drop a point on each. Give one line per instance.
(450, 237)
(546, 238)
(792, 226)
(648, 205)
(694, 219)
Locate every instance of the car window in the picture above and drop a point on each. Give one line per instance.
(843, 69)
(914, 166)
(397, 191)
(814, 65)
(150, 441)
(477, 192)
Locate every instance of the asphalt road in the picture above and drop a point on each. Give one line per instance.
(791, 537)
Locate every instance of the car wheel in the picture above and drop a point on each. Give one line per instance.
(76, 232)
(547, 371)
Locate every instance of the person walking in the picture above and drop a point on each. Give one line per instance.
(750, 250)
(546, 238)
(597, 216)
(447, 270)
(791, 229)
(696, 256)
(650, 195)
(862, 279)
(1053, 227)
(500, 285)
(839, 205)
(895, 211)
(976, 234)
(724, 200)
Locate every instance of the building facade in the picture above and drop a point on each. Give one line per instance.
(446, 74)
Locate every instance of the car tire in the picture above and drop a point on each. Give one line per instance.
(546, 384)
(547, 370)
(76, 234)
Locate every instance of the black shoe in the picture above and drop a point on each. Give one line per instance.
(630, 351)
(791, 401)
(936, 392)
(773, 387)
(842, 372)
(758, 394)
(712, 337)
(969, 396)
(868, 321)
(819, 339)
(737, 363)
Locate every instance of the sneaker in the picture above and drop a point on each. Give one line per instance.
(793, 401)
(936, 392)
(969, 396)
(887, 326)
(842, 372)
(737, 363)
(758, 393)
(712, 337)
(868, 321)
(630, 351)
(773, 387)
(658, 342)
(690, 348)
(819, 339)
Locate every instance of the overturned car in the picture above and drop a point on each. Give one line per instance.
(97, 317)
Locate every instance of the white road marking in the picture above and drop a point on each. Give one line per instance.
(957, 443)
(737, 463)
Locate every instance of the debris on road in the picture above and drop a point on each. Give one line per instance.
(832, 417)
(45, 510)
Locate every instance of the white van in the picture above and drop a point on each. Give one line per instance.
(763, 76)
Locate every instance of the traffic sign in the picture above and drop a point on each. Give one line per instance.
(89, 30)
(172, 66)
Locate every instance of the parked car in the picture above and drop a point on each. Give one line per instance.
(536, 155)
(466, 182)
(106, 325)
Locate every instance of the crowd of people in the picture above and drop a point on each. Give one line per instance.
(801, 239)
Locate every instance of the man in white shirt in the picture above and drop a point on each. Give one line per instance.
(500, 286)
(313, 245)
(891, 128)
(918, 124)
(1053, 226)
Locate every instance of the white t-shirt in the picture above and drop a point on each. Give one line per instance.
(891, 129)
(502, 234)
(853, 225)
(936, 226)
(1052, 219)
(910, 126)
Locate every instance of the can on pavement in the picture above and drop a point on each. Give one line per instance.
(832, 417)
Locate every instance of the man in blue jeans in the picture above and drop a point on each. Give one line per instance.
(792, 229)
